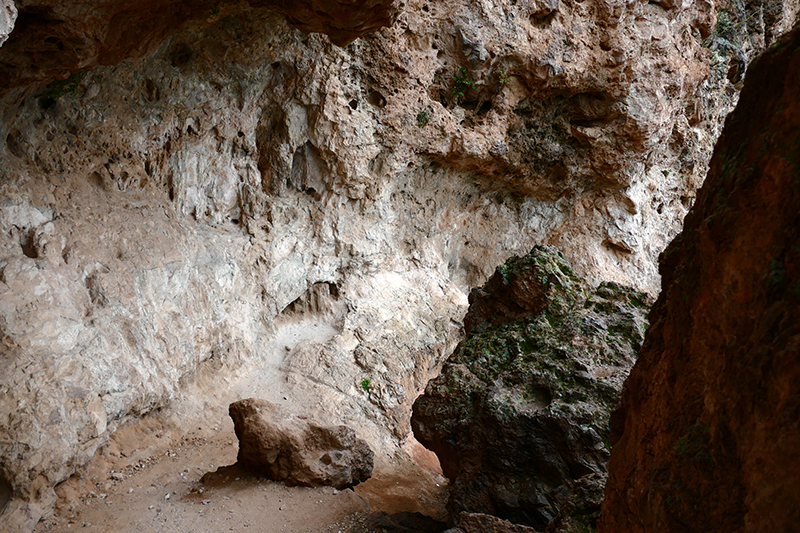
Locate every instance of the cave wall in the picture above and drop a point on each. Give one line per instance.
(707, 435)
(160, 209)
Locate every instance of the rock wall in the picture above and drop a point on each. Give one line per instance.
(166, 194)
(707, 438)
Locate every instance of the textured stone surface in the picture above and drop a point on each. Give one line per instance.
(8, 16)
(55, 37)
(484, 523)
(520, 411)
(160, 212)
(289, 448)
(707, 437)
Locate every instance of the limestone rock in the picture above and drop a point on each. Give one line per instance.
(706, 438)
(64, 37)
(291, 449)
(341, 20)
(174, 175)
(8, 16)
(519, 415)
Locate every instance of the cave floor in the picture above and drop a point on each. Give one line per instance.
(174, 470)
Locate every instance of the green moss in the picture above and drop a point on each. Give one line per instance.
(59, 88)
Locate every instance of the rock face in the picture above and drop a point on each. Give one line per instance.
(8, 16)
(519, 415)
(56, 37)
(174, 176)
(706, 438)
(289, 448)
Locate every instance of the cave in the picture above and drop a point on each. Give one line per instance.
(446, 233)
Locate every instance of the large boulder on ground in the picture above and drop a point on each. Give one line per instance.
(289, 448)
(707, 437)
(519, 415)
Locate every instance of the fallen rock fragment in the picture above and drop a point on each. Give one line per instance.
(289, 448)
(485, 523)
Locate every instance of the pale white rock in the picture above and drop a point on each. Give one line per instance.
(8, 16)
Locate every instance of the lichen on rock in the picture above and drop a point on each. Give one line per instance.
(519, 415)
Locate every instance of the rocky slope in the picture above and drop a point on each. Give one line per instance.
(172, 200)
(519, 415)
(707, 436)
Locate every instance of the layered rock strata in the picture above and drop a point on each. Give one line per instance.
(519, 415)
(706, 438)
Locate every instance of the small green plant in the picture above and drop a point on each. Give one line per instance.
(59, 88)
(365, 384)
(423, 117)
(502, 77)
(462, 83)
(665, 172)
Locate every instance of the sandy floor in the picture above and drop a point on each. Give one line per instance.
(173, 471)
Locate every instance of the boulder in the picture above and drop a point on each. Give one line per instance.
(519, 415)
(290, 448)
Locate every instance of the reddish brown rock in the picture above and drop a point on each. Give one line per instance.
(289, 448)
(53, 38)
(707, 436)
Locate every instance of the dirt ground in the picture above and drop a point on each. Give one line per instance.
(174, 471)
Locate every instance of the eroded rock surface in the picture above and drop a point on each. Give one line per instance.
(290, 448)
(519, 415)
(167, 193)
(706, 438)
(54, 38)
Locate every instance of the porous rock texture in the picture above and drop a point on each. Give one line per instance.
(290, 448)
(519, 415)
(55, 38)
(174, 175)
(707, 436)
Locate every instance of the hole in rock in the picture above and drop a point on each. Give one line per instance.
(150, 90)
(14, 142)
(26, 242)
(540, 397)
(541, 20)
(96, 179)
(180, 55)
(354, 104)
(5, 493)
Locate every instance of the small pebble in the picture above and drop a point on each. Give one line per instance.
(130, 491)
